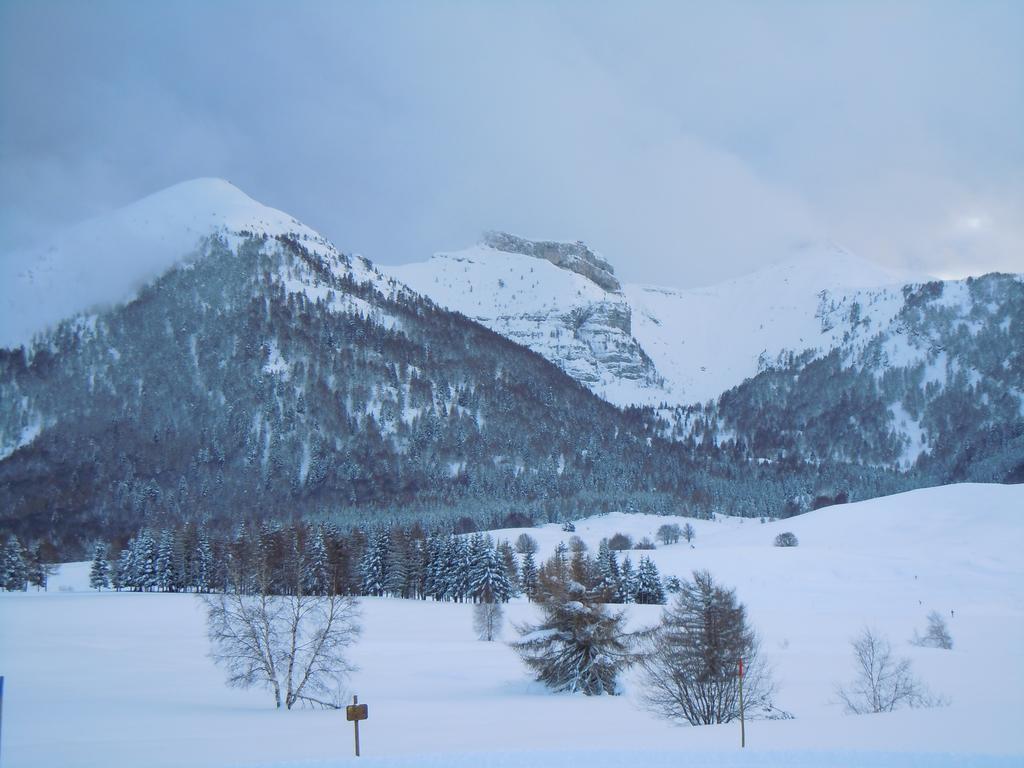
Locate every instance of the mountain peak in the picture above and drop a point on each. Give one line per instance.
(106, 259)
(574, 257)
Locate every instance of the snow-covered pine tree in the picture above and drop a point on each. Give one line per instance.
(508, 560)
(455, 569)
(13, 568)
(608, 588)
(124, 571)
(316, 575)
(373, 569)
(168, 570)
(648, 584)
(99, 571)
(528, 577)
(627, 581)
(397, 582)
(144, 556)
(434, 582)
(418, 564)
(488, 581)
(579, 645)
(38, 571)
(202, 562)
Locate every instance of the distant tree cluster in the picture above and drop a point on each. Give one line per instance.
(21, 567)
(603, 577)
(314, 560)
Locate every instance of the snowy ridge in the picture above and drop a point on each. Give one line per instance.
(707, 340)
(107, 259)
(646, 345)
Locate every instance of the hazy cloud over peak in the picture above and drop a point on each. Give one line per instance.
(686, 142)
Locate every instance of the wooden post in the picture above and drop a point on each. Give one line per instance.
(743, 733)
(355, 701)
(356, 712)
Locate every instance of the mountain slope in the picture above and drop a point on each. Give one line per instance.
(266, 374)
(822, 357)
(936, 385)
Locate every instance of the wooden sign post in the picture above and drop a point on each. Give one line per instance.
(743, 734)
(355, 712)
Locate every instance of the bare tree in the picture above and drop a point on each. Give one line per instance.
(688, 533)
(669, 533)
(487, 620)
(786, 539)
(526, 544)
(692, 659)
(883, 682)
(293, 645)
(937, 635)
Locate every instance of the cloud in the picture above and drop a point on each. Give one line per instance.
(688, 143)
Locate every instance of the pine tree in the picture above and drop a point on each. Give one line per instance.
(459, 575)
(99, 572)
(124, 572)
(317, 575)
(202, 563)
(167, 571)
(488, 581)
(692, 657)
(627, 582)
(529, 577)
(397, 583)
(373, 569)
(648, 584)
(144, 557)
(608, 587)
(38, 571)
(578, 646)
(13, 568)
(508, 560)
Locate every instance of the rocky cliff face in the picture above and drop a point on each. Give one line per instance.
(559, 299)
(575, 257)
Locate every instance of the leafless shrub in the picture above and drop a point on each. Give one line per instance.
(936, 636)
(883, 682)
(487, 620)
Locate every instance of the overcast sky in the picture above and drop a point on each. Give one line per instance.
(688, 142)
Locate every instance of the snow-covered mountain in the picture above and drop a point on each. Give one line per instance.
(642, 344)
(559, 299)
(235, 363)
(733, 363)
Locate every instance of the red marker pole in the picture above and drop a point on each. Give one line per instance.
(743, 733)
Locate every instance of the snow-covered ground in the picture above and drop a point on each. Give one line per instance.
(123, 679)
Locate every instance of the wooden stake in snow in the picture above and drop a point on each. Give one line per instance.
(743, 733)
(355, 712)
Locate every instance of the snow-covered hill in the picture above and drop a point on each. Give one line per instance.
(118, 679)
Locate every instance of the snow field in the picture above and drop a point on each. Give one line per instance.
(123, 679)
